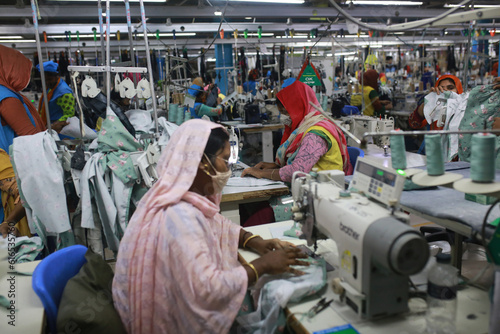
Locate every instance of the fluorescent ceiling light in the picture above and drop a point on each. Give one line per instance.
(105, 1)
(475, 6)
(73, 36)
(218, 13)
(272, 1)
(17, 41)
(262, 34)
(11, 37)
(387, 3)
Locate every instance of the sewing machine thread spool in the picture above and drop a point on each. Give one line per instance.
(482, 166)
(324, 103)
(180, 115)
(434, 153)
(187, 115)
(398, 152)
(172, 112)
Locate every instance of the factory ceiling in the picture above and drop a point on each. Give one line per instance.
(197, 22)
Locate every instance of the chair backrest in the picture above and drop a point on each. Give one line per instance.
(354, 153)
(52, 274)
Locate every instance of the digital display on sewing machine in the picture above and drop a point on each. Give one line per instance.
(376, 174)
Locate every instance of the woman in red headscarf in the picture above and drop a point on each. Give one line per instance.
(444, 83)
(309, 140)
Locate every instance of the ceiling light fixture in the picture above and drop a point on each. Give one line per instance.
(387, 3)
(17, 41)
(218, 13)
(475, 6)
(11, 37)
(295, 2)
(109, 0)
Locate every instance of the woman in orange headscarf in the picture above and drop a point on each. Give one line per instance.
(444, 83)
(18, 116)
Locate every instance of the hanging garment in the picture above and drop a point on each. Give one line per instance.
(42, 186)
(480, 113)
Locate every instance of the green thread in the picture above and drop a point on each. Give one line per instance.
(398, 152)
(482, 160)
(434, 153)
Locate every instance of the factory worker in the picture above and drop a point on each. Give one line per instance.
(18, 115)
(309, 140)
(250, 86)
(177, 269)
(444, 83)
(14, 220)
(200, 109)
(59, 95)
(373, 105)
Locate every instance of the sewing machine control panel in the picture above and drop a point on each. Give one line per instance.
(378, 182)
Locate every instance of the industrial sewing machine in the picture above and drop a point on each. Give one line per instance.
(377, 249)
(358, 125)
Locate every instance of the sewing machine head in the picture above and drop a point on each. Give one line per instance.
(358, 125)
(377, 251)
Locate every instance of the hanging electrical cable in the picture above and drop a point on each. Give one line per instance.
(402, 26)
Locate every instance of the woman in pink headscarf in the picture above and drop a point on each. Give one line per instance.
(178, 269)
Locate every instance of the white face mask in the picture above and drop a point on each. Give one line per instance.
(219, 180)
(285, 120)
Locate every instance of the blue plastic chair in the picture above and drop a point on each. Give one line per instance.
(52, 274)
(354, 153)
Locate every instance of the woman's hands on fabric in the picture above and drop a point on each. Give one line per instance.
(496, 83)
(253, 172)
(496, 124)
(5, 229)
(281, 260)
(438, 90)
(266, 165)
(57, 126)
(264, 246)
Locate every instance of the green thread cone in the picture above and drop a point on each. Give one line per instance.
(434, 153)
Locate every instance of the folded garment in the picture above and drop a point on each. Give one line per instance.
(249, 181)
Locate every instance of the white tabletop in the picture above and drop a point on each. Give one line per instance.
(29, 313)
(377, 154)
(472, 314)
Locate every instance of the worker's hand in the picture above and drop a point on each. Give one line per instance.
(5, 229)
(280, 260)
(263, 246)
(496, 83)
(266, 165)
(496, 124)
(57, 126)
(253, 172)
(437, 90)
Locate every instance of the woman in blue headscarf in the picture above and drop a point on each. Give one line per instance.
(200, 109)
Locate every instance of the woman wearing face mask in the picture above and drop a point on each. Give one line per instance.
(309, 140)
(178, 269)
(18, 116)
